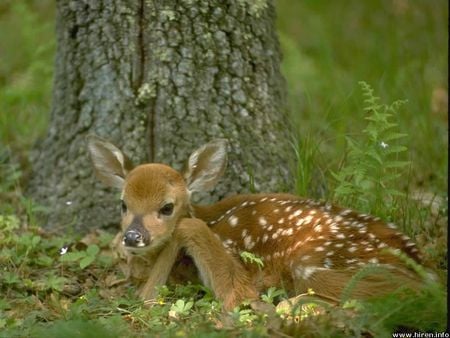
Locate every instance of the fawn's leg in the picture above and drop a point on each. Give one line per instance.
(332, 283)
(160, 269)
(219, 270)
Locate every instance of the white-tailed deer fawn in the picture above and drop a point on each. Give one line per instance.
(303, 243)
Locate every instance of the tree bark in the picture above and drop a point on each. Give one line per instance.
(159, 78)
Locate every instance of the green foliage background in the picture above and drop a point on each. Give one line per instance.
(398, 47)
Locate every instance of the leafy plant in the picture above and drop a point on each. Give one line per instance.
(180, 308)
(84, 257)
(272, 293)
(373, 165)
(251, 258)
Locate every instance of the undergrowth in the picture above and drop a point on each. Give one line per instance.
(368, 178)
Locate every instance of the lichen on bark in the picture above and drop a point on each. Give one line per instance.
(160, 78)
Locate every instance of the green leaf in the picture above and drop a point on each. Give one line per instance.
(10, 278)
(397, 164)
(372, 153)
(43, 260)
(86, 261)
(72, 256)
(395, 149)
(56, 282)
(249, 257)
(35, 241)
(92, 250)
(9, 222)
(393, 136)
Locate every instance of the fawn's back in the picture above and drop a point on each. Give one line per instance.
(303, 242)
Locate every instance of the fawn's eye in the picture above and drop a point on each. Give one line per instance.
(167, 209)
(123, 206)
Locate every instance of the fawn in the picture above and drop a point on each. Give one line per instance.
(303, 243)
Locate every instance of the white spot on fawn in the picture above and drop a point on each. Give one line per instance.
(327, 263)
(289, 232)
(338, 218)
(391, 225)
(262, 221)
(249, 244)
(297, 213)
(319, 248)
(230, 210)
(265, 238)
(227, 243)
(334, 227)
(346, 212)
(382, 245)
(233, 220)
(305, 272)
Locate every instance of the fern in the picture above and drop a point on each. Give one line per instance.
(373, 163)
(251, 258)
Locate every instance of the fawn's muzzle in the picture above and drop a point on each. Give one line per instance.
(132, 238)
(135, 239)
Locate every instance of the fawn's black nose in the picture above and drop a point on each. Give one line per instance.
(133, 238)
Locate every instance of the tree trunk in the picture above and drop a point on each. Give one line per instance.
(159, 78)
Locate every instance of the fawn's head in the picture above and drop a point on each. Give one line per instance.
(155, 196)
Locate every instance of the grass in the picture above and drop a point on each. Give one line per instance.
(397, 47)
(26, 67)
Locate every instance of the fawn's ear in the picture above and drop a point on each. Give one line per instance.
(110, 164)
(206, 165)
